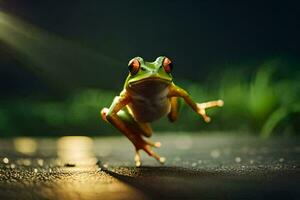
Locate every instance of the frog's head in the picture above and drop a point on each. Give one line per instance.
(157, 71)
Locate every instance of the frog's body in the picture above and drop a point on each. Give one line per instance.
(149, 94)
(149, 100)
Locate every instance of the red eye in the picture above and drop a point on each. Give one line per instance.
(134, 66)
(167, 64)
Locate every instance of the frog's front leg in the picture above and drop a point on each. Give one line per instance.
(175, 91)
(124, 122)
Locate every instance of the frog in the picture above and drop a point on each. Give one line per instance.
(149, 93)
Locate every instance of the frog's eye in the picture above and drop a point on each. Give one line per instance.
(167, 65)
(134, 66)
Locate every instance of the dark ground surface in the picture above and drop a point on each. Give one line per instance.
(199, 166)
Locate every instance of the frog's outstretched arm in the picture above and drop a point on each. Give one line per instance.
(116, 116)
(175, 91)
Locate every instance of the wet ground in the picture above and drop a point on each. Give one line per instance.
(198, 166)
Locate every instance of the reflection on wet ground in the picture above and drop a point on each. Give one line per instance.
(198, 167)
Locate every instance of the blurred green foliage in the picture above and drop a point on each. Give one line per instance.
(265, 103)
(268, 102)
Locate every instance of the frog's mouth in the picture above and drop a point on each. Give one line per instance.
(149, 80)
(150, 85)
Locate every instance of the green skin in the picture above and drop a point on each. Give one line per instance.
(147, 96)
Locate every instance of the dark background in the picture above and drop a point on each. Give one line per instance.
(54, 51)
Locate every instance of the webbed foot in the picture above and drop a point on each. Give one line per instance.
(202, 106)
(147, 147)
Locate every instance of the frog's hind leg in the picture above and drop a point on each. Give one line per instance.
(175, 108)
(125, 123)
(145, 129)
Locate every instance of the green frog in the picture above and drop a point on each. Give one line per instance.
(149, 93)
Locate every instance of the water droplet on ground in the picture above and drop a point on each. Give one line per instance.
(238, 159)
(105, 165)
(6, 160)
(215, 153)
(40, 162)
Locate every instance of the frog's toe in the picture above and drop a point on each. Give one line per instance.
(206, 118)
(220, 103)
(150, 152)
(162, 160)
(137, 159)
(154, 144)
(103, 113)
(157, 144)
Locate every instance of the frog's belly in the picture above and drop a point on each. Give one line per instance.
(145, 109)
